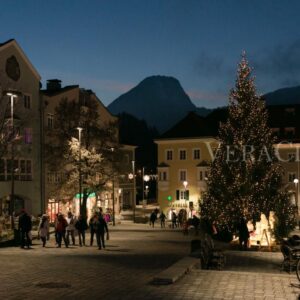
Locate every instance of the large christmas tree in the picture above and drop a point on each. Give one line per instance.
(245, 177)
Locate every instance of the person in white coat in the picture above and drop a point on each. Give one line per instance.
(43, 230)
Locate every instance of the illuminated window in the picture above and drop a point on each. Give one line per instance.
(182, 194)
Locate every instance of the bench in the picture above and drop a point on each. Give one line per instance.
(290, 258)
(210, 257)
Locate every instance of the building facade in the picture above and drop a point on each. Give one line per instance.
(20, 160)
(182, 172)
(186, 151)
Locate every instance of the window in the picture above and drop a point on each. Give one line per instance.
(182, 194)
(50, 119)
(292, 176)
(169, 155)
(196, 154)
(203, 174)
(182, 154)
(15, 169)
(163, 176)
(22, 169)
(27, 101)
(292, 157)
(28, 170)
(28, 135)
(54, 177)
(182, 175)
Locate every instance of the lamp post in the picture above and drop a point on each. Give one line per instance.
(113, 187)
(80, 182)
(12, 194)
(296, 182)
(134, 192)
(185, 183)
(146, 178)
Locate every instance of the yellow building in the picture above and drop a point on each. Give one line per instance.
(182, 172)
(184, 155)
(289, 157)
(187, 149)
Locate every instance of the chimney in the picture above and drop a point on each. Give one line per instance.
(53, 84)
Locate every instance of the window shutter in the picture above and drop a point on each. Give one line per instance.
(187, 195)
(177, 194)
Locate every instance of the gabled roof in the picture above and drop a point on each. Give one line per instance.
(190, 126)
(52, 93)
(13, 42)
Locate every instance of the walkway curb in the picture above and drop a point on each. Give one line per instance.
(176, 271)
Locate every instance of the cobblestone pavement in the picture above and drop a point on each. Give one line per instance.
(134, 254)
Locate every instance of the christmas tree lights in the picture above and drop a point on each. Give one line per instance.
(245, 178)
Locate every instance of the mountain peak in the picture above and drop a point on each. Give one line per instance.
(159, 100)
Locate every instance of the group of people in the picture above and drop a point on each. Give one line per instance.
(65, 229)
(154, 216)
(179, 220)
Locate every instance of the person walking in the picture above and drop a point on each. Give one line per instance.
(174, 219)
(81, 226)
(153, 218)
(162, 220)
(25, 226)
(61, 230)
(243, 234)
(101, 229)
(93, 227)
(43, 229)
(71, 228)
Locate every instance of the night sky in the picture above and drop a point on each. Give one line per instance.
(110, 46)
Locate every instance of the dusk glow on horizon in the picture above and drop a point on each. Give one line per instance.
(110, 46)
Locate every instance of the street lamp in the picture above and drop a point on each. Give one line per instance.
(113, 186)
(80, 179)
(185, 183)
(12, 96)
(296, 181)
(134, 191)
(146, 178)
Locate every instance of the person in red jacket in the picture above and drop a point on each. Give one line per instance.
(61, 230)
